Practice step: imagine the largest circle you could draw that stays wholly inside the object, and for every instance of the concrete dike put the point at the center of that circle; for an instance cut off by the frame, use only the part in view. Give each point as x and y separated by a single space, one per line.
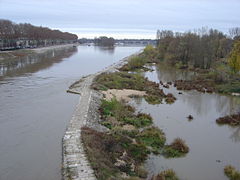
75 161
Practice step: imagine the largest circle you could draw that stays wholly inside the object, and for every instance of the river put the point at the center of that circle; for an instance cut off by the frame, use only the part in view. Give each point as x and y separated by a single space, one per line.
35 108
212 147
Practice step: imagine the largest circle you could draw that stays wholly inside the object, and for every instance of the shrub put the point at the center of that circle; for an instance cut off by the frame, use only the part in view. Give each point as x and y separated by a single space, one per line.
134 64
153 138
141 120
177 148
231 173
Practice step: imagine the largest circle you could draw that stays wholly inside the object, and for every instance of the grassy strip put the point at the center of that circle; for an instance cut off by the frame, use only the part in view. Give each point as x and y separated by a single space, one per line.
125 80
232 173
117 113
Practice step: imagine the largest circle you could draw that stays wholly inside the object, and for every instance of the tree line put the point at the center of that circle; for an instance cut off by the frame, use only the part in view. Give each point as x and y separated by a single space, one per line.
12 33
199 48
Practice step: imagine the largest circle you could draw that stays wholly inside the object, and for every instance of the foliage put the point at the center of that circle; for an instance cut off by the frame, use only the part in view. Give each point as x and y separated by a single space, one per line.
141 120
153 138
119 149
168 174
234 58
230 87
10 32
199 49
231 173
232 120
153 99
135 63
125 80
123 113
119 80
104 41
177 148
101 157
150 53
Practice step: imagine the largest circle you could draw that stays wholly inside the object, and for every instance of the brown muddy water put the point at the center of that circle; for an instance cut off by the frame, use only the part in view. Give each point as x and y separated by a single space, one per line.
35 108
211 146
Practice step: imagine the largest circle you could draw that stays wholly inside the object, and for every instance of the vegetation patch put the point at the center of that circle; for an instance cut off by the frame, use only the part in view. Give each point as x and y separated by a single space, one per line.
170 98
230 87
166 175
231 173
119 80
116 113
125 80
153 138
113 154
232 120
120 152
102 150
177 148
141 120
153 99
136 63
199 85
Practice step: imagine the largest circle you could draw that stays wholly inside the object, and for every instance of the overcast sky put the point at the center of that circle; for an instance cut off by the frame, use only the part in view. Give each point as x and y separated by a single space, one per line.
123 18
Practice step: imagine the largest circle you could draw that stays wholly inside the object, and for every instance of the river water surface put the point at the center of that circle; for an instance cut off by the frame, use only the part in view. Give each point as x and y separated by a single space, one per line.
211 146
35 108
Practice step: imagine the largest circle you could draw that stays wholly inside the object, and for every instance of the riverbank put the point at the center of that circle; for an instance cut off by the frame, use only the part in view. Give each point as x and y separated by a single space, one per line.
5 55
75 161
134 132
121 126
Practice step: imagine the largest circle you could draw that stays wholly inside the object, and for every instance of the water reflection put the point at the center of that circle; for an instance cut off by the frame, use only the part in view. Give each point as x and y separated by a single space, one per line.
106 49
34 62
35 107
208 141
166 73
236 135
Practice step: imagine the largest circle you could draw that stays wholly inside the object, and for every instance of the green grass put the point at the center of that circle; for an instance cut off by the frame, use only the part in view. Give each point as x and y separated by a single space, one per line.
125 80
141 120
153 138
123 113
119 80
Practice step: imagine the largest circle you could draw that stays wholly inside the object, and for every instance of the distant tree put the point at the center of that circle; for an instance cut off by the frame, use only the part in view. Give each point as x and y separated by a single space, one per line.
234 58
199 48
235 32
11 32
104 41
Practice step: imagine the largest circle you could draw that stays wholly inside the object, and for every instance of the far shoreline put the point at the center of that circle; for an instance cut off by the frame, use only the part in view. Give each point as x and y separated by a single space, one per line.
4 55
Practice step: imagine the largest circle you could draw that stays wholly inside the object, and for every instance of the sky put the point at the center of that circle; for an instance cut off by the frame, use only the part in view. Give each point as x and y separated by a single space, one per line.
123 18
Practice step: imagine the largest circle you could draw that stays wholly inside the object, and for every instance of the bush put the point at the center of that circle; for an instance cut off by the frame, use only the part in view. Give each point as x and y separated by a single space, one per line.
134 64
231 173
153 138
141 120
177 148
